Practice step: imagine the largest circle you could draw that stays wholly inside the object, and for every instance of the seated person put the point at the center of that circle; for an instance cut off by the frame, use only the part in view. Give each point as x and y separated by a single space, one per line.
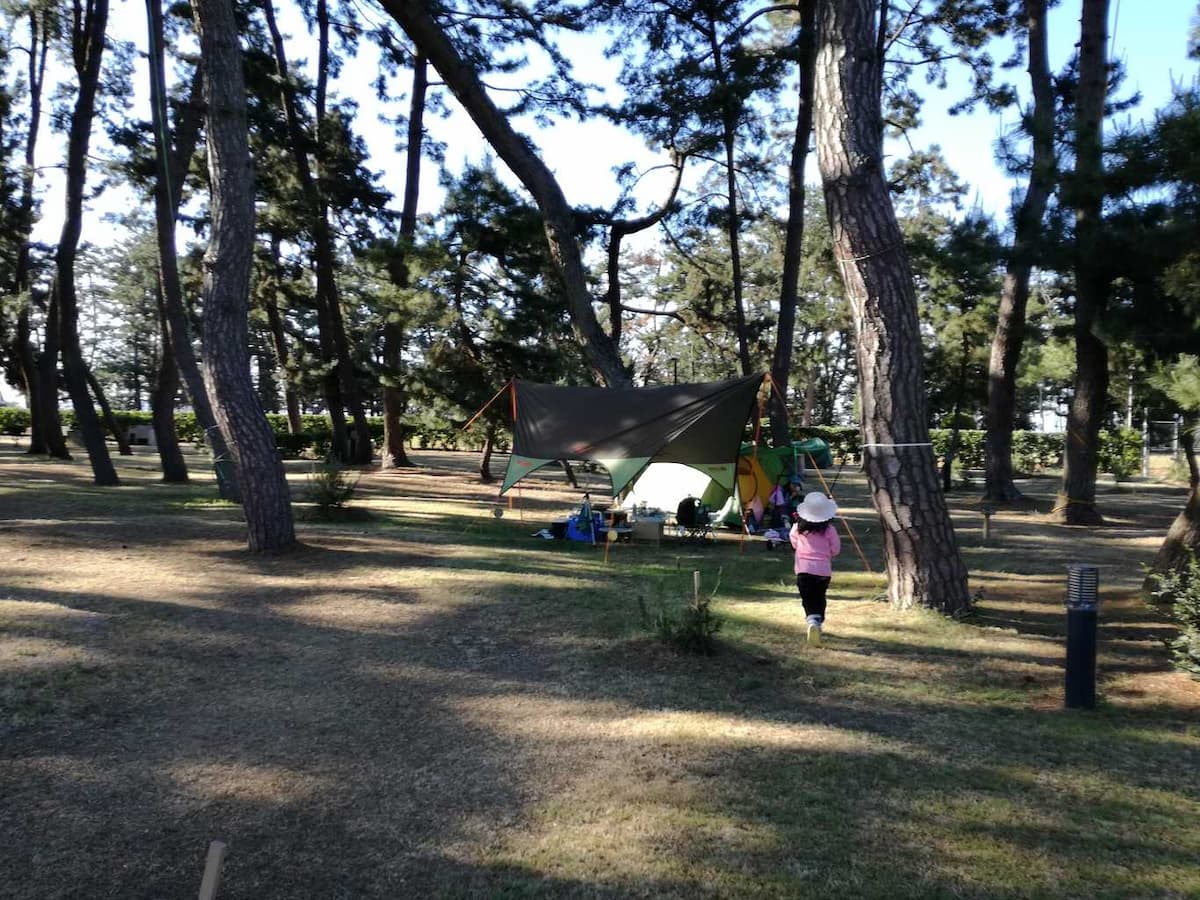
755 516
779 514
795 496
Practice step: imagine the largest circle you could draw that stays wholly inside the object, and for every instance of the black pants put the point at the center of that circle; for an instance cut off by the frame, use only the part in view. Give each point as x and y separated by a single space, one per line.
812 593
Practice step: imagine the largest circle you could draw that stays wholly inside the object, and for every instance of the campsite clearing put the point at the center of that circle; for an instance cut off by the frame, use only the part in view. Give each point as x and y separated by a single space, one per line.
425 701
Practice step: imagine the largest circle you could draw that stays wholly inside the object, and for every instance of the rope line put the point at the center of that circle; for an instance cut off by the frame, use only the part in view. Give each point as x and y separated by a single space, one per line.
871 255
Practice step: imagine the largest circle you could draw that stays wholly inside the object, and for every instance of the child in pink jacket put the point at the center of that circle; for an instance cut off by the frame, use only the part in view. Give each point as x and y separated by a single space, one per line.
816 541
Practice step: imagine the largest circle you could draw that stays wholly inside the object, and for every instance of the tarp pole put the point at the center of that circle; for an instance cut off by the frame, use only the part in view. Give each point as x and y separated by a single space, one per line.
844 521
520 506
483 408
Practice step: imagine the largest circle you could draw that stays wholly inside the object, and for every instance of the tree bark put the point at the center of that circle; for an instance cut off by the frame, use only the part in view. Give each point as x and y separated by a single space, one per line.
106 414
87 44
47 364
485 462
260 474
1077 497
959 396
340 387
599 349
279 339
733 225
793 241
1183 538
45 427
395 399
171 158
923 564
361 448
162 404
1014 294
618 230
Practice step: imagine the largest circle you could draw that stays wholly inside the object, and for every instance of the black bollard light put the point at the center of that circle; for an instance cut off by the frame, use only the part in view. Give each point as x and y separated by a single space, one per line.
1083 584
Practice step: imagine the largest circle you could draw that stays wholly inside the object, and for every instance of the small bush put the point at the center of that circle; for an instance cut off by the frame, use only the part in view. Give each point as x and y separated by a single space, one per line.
1120 453
330 489
13 421
689 628
292 446
970 451
1036 451
1178 592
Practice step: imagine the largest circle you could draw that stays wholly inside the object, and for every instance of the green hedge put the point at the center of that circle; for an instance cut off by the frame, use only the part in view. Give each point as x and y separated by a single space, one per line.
13 421
1033 452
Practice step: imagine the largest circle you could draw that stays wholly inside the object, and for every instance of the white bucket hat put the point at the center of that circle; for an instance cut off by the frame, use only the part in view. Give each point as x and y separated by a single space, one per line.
816 508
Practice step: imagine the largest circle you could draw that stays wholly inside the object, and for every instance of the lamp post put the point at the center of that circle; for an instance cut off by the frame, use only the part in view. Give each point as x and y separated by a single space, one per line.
674 361
1083 582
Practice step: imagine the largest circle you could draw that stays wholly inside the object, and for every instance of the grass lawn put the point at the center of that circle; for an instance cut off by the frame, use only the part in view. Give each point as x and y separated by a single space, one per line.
425 701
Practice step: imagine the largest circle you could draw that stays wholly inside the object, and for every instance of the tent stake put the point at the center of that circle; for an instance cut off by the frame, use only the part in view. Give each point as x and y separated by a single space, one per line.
212 870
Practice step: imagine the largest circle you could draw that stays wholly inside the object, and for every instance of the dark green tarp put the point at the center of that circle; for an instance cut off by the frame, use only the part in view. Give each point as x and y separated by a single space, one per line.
623 429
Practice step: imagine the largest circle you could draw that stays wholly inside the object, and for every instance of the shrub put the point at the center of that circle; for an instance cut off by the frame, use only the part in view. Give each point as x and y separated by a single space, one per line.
1035 451
690 628
970 452
330 489
188 429
1120 452
13 421
1179 592
292 446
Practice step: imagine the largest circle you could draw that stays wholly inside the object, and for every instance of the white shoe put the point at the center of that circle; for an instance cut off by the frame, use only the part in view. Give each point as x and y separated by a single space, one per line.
814 635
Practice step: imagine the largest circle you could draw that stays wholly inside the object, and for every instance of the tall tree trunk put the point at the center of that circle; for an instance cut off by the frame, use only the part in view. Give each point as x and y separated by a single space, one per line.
47 364
171 158
87 43
340 387
923 563
362 447
162 404
279 338
45 427
395 398
1077 496
1183 538
959 395
120 436
30 385
733 224
793 241
266 501
1014 294
485 462
599 349
618 230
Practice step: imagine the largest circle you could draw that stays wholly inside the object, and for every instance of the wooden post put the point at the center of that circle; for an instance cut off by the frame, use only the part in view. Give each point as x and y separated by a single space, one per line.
696 589
212 871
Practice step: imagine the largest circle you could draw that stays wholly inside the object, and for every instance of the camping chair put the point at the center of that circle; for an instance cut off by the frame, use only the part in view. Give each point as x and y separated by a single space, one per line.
693 520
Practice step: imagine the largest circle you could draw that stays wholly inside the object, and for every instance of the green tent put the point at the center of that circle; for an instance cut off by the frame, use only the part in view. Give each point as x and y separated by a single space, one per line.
759 471
623 429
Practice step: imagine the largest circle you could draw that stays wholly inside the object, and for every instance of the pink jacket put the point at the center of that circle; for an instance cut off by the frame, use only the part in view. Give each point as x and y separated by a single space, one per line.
815 550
